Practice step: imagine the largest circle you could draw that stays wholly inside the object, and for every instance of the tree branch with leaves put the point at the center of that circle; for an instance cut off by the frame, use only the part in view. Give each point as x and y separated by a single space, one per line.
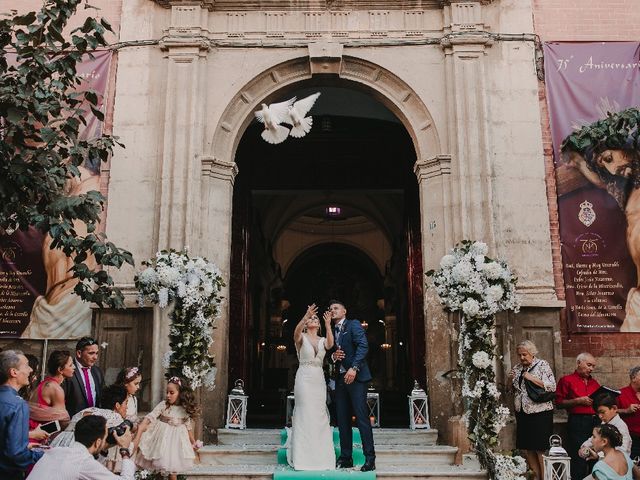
43 152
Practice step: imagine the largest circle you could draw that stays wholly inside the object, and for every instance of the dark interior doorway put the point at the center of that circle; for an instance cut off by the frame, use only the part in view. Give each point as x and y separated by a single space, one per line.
287 251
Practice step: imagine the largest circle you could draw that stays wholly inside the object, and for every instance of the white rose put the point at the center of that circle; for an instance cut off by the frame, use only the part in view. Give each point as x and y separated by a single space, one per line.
447 261
493 270
479 248
495 293
470 307
481 360
461 272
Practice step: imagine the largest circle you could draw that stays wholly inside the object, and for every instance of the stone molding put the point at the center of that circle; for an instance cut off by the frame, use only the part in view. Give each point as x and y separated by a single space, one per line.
388 88
215 168
432 167
208 4
244 5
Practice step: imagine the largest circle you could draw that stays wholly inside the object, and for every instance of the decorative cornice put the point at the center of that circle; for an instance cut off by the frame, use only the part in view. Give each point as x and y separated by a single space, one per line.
432 167
208 4
216 168
445 3
250 5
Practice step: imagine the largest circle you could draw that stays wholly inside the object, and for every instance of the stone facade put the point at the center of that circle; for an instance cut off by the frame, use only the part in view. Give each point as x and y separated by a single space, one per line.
459 75
468 99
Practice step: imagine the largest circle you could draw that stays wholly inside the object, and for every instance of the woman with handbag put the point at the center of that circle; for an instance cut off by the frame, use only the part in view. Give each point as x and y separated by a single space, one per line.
534 386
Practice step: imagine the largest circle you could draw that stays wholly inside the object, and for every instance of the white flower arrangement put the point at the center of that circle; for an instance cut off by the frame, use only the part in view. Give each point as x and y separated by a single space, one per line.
479 287
192 285
481 359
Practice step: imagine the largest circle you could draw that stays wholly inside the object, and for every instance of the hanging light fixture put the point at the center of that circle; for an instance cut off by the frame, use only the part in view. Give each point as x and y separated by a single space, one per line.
333 210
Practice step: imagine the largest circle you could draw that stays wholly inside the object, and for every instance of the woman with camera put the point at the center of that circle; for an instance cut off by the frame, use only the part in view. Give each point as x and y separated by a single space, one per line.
533 383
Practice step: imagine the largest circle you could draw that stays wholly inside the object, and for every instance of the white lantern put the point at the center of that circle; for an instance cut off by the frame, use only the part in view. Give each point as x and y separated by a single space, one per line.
556 463
237 407
373 402
291 402
418 408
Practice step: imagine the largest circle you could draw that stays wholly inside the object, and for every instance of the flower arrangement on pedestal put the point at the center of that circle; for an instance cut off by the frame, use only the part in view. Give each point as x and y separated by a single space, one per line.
193 285
479 287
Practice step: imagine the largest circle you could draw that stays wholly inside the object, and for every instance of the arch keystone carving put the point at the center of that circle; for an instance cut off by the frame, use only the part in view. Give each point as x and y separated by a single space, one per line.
325 58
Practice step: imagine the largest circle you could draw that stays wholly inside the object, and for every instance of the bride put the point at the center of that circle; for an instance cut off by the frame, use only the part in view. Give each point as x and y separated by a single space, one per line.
311 438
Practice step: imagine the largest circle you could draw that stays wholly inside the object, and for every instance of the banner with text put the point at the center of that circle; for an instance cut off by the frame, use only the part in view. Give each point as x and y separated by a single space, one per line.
36 288
593 91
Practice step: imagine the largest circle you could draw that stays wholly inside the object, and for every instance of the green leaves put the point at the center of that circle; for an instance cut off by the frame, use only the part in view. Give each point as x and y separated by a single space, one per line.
43 163
617 130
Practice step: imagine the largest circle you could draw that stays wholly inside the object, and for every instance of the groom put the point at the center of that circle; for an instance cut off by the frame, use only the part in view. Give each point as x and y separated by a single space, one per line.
352 372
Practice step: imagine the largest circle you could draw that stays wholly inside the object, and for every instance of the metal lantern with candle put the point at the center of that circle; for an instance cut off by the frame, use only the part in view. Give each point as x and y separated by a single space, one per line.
373 402
237 407
418 409
556 463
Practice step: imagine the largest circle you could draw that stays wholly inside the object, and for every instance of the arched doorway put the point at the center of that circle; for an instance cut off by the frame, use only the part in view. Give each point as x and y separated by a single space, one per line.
288 250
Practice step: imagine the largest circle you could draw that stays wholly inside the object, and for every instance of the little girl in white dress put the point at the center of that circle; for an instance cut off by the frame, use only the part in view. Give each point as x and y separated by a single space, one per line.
167 444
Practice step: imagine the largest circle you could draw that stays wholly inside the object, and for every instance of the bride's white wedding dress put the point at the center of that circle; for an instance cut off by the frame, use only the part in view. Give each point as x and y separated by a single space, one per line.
310 443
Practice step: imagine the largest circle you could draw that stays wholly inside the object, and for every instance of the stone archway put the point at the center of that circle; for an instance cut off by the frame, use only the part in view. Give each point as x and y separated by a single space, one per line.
219 168
388 88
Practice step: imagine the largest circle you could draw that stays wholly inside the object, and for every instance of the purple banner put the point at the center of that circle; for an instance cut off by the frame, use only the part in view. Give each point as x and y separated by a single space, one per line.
587 85
36 299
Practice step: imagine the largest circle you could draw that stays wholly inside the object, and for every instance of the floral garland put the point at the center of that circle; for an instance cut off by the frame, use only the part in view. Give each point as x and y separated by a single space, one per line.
193 284
479 287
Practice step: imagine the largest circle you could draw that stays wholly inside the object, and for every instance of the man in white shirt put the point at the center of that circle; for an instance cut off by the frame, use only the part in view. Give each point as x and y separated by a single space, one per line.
78 462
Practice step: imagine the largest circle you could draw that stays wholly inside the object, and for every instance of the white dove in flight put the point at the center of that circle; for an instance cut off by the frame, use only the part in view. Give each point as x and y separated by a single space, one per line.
272 116
301 125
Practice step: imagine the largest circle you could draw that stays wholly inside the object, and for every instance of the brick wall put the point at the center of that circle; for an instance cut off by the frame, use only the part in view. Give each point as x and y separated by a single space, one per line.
585 20
582 20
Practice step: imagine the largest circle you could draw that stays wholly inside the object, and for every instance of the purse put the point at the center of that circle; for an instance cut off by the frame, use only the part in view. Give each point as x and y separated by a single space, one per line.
536 393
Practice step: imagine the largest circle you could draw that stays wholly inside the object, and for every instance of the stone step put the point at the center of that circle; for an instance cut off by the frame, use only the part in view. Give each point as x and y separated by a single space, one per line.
386 455
382 436
265 472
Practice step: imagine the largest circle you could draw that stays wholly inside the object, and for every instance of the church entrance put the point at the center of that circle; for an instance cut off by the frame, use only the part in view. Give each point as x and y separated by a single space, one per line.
333 215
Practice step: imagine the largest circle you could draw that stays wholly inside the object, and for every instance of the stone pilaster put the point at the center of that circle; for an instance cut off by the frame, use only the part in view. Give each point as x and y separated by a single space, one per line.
471 192
214 218
186 52
434 184
178 190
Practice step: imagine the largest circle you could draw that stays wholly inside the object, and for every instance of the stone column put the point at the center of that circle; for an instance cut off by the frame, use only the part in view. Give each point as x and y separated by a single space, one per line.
214 218
471 195
178 187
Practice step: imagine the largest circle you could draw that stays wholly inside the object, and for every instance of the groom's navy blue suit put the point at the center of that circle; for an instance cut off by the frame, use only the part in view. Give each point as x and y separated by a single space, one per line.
353 397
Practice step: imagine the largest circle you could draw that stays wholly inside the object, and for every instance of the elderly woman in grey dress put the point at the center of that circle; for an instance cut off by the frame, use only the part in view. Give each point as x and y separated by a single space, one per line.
534 420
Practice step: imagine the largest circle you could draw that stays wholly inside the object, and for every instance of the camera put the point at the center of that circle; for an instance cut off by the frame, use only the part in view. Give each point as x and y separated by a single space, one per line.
118 430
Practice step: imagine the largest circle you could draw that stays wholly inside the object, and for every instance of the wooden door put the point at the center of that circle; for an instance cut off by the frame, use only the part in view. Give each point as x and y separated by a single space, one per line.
128 334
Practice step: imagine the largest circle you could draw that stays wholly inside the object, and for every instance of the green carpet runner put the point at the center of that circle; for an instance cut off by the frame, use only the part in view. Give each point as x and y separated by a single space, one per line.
286 472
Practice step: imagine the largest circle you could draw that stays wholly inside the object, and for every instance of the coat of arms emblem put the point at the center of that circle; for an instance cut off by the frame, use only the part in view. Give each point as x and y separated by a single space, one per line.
587 215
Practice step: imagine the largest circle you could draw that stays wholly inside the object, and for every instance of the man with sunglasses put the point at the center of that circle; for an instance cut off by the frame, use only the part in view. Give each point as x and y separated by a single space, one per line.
83 389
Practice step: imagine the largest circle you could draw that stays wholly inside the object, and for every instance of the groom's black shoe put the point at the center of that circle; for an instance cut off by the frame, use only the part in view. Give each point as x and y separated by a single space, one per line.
344 463
368 466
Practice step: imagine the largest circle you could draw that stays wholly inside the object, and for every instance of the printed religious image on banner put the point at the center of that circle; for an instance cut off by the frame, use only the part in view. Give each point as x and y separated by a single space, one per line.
36 287
593 94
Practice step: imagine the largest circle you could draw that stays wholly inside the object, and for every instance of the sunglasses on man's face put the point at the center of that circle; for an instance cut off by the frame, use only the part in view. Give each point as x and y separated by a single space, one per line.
86 343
